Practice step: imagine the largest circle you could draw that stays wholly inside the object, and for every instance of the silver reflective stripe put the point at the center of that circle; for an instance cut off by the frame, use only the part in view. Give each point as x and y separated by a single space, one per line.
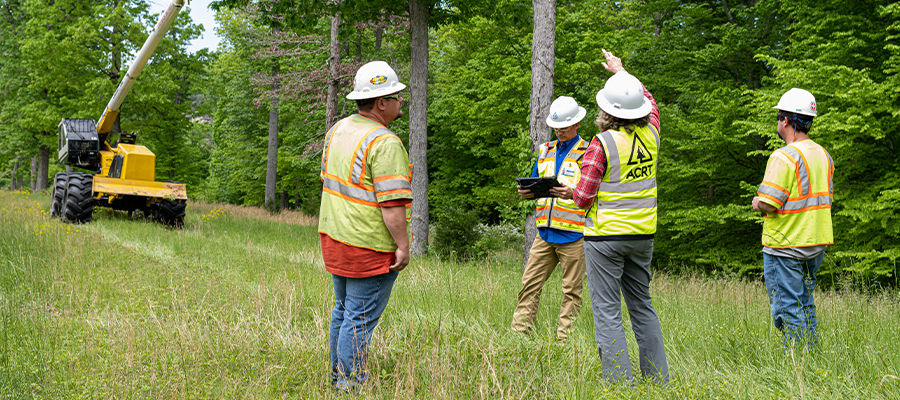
810 202
634 204
766 189
801 169
391 184
655 135
609 143
348 191
627 187
830 175
360 158
565 214
328 142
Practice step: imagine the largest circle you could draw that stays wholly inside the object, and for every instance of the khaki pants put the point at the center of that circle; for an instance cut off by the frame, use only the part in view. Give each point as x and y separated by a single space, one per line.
541 262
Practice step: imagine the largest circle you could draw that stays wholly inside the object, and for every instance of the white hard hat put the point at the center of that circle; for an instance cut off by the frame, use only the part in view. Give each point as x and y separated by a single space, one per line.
565 112
623 97
798 101
375 79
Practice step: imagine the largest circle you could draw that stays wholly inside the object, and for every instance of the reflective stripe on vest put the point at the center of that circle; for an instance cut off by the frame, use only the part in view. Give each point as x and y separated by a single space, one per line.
552 212
349 211
626 197
803 216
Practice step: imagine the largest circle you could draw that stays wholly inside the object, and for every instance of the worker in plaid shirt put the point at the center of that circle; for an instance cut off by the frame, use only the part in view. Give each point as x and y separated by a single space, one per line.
618 188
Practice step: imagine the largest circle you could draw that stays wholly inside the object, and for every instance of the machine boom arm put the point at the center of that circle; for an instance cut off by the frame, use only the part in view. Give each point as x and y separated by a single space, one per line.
159 31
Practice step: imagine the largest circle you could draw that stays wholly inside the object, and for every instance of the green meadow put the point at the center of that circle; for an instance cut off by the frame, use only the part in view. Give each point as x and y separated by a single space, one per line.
237 306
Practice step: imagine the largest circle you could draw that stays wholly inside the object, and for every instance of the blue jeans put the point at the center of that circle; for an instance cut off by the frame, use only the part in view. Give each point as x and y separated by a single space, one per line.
789 283
358 304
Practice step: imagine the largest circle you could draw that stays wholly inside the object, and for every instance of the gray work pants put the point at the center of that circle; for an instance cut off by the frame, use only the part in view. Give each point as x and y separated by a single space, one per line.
615 267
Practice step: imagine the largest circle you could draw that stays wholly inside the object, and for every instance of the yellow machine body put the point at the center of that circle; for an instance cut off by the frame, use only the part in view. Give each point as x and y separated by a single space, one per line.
138 162
134 175
115 188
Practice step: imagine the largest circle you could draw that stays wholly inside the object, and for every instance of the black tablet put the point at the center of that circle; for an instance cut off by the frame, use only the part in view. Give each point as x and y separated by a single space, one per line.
540 186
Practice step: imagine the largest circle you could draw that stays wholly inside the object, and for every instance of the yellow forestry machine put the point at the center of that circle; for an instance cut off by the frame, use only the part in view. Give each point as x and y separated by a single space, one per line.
125 172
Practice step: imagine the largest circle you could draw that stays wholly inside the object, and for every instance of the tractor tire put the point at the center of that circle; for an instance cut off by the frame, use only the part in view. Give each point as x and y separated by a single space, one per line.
59 193
171 213
78 203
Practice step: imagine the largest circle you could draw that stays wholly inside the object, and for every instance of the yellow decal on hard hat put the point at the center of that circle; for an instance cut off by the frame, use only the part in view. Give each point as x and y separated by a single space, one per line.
378 79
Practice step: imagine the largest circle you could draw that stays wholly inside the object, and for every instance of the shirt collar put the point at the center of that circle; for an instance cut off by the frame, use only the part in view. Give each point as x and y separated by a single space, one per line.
562 146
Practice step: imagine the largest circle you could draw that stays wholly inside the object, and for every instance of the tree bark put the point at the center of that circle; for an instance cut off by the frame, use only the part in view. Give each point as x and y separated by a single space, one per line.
297 196
334 71
43 170
543 48
12 185
378 33
272 163
33 173
418 123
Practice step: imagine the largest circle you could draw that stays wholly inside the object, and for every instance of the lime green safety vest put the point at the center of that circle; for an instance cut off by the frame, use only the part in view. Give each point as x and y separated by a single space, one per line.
625 207
553 212
799 183
363 164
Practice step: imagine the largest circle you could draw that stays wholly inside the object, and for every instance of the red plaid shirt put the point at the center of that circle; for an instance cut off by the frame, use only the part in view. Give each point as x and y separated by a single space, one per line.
593 164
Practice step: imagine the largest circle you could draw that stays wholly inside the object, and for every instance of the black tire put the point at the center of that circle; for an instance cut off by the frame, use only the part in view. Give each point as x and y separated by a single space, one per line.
171 213
78 203
59 193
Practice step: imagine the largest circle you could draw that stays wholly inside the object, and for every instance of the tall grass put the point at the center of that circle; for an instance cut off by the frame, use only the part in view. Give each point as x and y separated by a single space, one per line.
237 305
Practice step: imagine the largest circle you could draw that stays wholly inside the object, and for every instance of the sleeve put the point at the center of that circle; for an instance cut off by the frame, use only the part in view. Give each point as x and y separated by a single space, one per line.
654 113
534 172
593 165
775 187
388 162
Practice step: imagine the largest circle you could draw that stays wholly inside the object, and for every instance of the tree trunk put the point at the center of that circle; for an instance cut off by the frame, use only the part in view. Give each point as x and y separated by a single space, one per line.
13 185
378 33
334 70
418 123
272 163
43 170
284 199
543 47
33 173
297 196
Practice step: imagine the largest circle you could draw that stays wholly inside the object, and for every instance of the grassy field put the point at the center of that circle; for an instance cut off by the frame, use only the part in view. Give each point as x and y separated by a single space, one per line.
237 305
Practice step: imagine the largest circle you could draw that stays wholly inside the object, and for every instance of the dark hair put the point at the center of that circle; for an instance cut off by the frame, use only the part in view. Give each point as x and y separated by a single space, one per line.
801 123
606 122
366 104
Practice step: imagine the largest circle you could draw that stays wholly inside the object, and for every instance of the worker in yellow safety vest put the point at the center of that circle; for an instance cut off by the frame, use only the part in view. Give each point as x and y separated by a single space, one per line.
559 221
618 188
795 195
364 216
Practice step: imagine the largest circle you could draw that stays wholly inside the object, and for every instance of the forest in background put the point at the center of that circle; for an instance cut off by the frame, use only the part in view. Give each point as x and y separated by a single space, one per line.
715 68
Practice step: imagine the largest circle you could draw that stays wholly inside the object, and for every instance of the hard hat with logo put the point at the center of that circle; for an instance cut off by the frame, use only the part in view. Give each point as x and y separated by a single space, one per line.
623 97
375 79
798 101
565 112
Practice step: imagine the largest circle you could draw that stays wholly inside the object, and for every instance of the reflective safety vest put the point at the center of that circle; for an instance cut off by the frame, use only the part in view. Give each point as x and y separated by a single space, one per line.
625 207
556 213
363 163
799 182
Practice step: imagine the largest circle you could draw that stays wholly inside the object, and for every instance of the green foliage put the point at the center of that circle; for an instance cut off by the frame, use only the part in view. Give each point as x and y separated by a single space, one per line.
455 233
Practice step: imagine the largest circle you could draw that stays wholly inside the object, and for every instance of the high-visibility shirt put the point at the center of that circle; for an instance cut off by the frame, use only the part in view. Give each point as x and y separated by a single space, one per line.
625 206
798 183
552 212
363 164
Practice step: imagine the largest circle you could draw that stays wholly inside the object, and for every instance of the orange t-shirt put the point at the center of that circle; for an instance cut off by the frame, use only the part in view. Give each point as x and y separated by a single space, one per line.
349 261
